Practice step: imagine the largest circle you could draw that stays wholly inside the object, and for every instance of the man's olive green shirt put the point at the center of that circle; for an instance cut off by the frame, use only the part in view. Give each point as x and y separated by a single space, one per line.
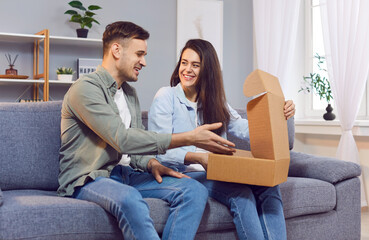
93 137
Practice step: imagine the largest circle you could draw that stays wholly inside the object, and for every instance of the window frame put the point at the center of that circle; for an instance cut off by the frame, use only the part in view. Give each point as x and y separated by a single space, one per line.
310 112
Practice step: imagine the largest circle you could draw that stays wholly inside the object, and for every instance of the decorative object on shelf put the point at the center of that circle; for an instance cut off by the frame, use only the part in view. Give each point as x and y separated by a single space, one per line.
11 70
329 115
320 86
65 74
14 76
30 100
87 65
85 19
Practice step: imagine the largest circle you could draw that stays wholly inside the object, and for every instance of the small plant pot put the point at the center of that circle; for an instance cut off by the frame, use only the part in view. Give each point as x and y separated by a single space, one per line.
82 32
65 77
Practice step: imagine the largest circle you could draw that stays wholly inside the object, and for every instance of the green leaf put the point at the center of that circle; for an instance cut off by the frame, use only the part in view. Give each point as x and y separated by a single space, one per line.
95 21
90 14
77 4
71 12
76 18
94 7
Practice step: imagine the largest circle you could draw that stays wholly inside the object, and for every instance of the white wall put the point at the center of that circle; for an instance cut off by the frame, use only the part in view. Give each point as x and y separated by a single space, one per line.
158 17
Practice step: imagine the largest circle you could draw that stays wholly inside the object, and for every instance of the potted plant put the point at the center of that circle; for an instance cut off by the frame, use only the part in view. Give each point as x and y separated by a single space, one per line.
65 74
83 16
320 86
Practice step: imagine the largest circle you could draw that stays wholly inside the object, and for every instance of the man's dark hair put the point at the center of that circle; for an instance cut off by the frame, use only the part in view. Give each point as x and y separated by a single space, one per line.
122 30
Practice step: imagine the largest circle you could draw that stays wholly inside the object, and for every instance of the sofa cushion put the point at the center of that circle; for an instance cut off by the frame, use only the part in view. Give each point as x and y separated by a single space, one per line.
30 142
60 216
37 214
304 196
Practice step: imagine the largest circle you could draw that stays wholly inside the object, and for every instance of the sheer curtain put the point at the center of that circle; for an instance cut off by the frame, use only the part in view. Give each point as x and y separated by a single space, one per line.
275 28
345 32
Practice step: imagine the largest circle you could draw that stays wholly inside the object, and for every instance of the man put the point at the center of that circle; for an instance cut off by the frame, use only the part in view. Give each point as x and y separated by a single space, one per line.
101 126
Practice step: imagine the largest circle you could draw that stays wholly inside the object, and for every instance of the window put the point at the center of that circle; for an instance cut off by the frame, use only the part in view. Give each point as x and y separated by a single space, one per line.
314 44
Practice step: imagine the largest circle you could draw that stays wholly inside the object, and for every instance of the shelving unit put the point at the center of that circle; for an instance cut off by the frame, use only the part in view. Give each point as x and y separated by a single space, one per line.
42 41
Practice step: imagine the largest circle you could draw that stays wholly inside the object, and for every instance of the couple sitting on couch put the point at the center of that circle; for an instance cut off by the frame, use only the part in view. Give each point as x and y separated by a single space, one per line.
104 154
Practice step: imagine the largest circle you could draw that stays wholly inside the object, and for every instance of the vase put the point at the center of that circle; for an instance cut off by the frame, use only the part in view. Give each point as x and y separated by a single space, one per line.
11 71
65 77
329 116
82 32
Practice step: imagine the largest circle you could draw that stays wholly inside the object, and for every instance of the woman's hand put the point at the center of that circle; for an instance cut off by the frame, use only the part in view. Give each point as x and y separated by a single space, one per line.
197 157
289 109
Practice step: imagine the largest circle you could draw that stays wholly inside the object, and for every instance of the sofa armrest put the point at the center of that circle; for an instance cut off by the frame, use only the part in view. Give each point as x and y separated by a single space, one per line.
323 168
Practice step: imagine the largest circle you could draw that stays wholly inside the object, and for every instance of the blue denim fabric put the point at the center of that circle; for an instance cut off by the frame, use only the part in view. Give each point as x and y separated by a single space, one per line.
257 211
122 195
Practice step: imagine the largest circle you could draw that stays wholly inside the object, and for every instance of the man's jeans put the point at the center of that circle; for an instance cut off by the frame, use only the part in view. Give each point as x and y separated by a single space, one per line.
122 195
257 211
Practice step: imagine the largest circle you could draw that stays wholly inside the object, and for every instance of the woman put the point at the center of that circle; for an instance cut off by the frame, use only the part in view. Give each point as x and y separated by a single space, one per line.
197 97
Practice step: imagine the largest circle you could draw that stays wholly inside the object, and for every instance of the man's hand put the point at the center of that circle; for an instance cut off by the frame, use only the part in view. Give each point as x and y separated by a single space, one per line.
158 170
204 138
289 109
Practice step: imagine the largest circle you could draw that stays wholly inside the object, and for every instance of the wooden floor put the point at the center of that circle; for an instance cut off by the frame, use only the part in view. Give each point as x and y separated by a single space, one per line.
365 224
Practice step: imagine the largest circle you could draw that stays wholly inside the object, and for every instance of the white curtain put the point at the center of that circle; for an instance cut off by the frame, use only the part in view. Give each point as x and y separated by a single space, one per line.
345 32
275 28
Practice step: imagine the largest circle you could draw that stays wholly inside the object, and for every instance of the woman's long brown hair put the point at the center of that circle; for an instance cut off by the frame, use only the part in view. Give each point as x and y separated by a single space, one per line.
210 90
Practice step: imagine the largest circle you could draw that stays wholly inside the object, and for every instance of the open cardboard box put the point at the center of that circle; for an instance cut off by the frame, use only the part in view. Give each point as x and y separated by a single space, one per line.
268 162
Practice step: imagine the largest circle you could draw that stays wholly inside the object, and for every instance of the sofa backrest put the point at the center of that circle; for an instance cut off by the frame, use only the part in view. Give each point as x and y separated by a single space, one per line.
30 142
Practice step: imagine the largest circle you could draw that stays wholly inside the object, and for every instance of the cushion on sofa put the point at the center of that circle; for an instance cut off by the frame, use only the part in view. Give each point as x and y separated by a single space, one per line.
304 196
30 145
323 168
37 214
60 216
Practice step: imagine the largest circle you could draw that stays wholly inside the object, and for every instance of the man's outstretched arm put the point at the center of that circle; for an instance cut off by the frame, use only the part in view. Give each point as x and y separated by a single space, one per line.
202 137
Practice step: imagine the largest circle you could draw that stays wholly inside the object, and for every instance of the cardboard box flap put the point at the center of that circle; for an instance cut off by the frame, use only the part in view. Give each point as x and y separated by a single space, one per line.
267 123
259 81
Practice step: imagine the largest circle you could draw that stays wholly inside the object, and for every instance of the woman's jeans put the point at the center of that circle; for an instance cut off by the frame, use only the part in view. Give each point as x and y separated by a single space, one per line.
122 196
257 211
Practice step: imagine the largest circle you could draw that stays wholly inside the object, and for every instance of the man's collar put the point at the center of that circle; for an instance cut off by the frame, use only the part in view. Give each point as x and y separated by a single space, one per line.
106 77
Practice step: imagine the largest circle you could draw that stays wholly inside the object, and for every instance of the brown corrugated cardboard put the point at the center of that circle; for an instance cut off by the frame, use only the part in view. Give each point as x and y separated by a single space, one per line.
268 162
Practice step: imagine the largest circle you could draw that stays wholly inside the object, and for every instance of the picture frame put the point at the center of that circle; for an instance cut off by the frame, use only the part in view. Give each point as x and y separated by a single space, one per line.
87 65
200 19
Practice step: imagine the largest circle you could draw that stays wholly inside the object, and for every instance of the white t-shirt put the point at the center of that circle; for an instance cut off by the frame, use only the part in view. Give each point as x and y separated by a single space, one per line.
125 115
195 167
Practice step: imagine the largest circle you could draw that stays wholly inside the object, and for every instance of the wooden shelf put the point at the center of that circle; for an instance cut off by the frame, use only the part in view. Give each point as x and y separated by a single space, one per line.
20 38
47 41
23 81
84 42
59 82
4 81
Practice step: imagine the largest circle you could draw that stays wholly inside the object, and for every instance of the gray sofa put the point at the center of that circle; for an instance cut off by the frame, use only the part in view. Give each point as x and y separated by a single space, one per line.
321 197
